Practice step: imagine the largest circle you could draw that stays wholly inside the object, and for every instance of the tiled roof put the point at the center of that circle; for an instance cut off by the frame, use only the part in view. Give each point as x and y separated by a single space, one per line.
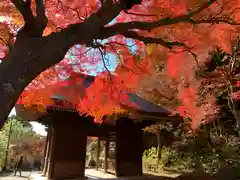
140 103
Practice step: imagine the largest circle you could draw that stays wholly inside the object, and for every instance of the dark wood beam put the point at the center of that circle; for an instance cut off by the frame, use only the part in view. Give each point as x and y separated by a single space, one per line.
98 152
106 155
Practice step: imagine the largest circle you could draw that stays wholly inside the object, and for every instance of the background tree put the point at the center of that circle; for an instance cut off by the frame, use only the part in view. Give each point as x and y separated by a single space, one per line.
20 131
36 35
219 78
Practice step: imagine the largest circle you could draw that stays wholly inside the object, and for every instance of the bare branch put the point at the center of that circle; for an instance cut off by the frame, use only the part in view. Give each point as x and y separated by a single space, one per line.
104 63
139 14
162 22
97 29
215 21
150 40
126 29
24 7
188 18
34 26
109 10
93 24
41 18
128 4
73 9
200 9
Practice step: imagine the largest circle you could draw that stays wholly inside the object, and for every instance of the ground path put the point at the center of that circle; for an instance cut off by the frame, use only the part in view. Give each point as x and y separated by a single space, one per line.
9 176
91 174
27 175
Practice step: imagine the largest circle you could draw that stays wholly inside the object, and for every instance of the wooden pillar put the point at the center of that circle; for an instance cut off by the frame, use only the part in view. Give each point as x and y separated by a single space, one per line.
128 148
51 154
70 147
106 155
98 152
46 152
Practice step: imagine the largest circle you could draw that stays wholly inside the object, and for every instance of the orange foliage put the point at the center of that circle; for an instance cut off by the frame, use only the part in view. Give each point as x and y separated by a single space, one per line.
105 96
110 91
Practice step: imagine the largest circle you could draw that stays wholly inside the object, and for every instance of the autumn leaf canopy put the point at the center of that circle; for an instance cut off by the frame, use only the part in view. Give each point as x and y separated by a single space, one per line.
122 42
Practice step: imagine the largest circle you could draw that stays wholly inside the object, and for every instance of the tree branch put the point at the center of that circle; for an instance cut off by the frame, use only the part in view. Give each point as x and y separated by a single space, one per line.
123 27
215 21
34 26
139 14
24 7
91 27
96 29
41 17
109 10
150 40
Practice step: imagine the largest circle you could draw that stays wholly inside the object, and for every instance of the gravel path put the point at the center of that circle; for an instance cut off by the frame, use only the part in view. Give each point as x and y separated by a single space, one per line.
92 174
9 176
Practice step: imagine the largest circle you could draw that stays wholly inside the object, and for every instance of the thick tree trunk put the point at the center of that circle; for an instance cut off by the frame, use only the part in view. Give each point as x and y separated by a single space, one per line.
29 57
32 53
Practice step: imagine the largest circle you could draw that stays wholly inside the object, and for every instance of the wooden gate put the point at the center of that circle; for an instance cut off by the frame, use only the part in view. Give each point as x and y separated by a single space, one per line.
106 155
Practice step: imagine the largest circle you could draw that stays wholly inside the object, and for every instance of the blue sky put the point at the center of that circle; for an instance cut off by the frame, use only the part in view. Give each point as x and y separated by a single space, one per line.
110 59
111 63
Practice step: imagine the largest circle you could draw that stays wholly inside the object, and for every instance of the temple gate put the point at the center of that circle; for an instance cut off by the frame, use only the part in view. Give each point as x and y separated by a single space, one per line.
67 135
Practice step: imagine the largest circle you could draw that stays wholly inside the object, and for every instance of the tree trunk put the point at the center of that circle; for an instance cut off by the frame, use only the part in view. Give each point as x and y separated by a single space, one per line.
11 85
28 58
231 105
159 148
158 145
32 53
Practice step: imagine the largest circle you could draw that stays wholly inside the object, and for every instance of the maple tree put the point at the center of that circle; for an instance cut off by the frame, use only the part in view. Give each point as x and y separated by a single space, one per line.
220 77
35 35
